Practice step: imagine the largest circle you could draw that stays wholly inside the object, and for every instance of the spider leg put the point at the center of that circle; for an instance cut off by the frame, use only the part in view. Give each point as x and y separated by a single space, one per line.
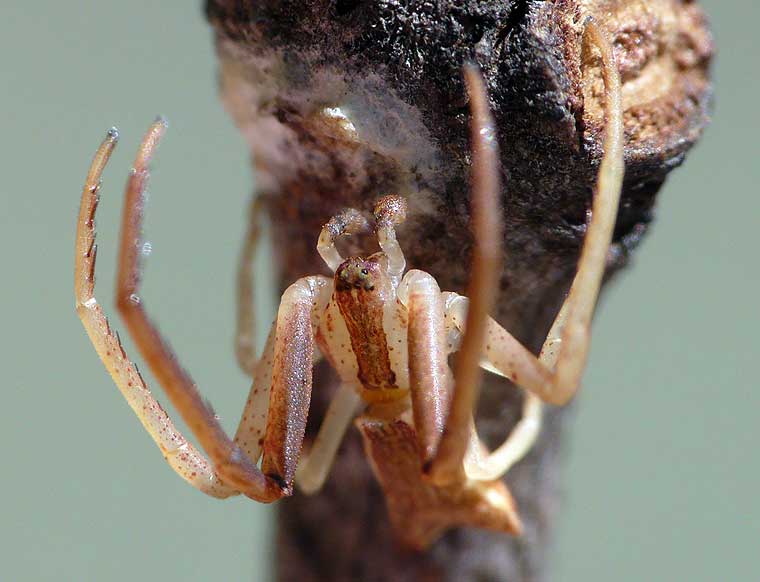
429 374
251 431
482 287
292 365
555 375
245 342
481 465
229 462
571 330
315 465
182 456
249 435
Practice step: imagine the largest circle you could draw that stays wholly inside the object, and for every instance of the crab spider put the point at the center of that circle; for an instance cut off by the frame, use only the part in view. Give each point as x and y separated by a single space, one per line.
387 333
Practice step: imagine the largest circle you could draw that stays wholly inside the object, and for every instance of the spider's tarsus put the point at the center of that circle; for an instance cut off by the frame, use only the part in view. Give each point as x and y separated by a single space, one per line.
281 483
390 210
209 407
162 120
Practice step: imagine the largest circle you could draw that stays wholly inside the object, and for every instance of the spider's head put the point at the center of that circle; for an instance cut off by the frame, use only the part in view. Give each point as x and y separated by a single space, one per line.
357 272
361 274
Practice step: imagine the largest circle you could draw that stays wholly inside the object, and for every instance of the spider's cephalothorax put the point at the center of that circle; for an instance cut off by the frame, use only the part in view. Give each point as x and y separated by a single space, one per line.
388 334
360 274
365 297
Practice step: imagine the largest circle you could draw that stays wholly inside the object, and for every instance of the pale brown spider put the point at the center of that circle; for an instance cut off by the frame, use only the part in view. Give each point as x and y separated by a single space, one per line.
387 334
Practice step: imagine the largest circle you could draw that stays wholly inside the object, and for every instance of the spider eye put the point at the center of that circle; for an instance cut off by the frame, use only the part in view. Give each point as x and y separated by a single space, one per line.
365 272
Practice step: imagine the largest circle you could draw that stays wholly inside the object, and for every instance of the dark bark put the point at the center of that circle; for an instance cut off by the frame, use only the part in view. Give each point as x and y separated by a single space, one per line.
395 68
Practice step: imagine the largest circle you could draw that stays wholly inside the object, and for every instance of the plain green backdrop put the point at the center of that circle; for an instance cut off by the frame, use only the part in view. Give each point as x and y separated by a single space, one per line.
661 475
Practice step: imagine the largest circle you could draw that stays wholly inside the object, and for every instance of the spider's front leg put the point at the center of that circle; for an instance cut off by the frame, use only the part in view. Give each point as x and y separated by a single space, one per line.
430 380
290 366
229 462
183 457
555 375
297 320
486 224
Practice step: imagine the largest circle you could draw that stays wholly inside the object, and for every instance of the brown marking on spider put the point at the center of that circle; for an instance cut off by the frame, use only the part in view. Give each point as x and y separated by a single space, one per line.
362 288
417 422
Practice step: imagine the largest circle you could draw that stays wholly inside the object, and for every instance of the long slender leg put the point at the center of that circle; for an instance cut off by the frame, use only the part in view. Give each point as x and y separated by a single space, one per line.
429 375
315 466
571 330
290 394
245 341
555 376
251 430
229 462
490 466
575 334
482 287
478 462
566 346
182 456
249 435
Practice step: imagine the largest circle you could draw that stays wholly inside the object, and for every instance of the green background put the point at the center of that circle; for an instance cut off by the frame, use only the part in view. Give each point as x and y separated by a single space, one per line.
662 473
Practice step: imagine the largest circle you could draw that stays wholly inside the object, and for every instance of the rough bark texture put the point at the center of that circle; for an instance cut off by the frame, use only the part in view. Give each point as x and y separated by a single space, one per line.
393 69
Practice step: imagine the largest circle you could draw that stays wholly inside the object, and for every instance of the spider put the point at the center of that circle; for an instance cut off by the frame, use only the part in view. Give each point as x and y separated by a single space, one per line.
387 333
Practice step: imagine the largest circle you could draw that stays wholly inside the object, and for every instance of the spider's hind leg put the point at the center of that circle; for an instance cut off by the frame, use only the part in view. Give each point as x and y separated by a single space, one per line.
315 465
245 330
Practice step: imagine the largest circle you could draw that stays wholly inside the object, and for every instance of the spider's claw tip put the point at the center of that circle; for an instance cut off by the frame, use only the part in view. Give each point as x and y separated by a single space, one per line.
161 120
113 133
279 481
